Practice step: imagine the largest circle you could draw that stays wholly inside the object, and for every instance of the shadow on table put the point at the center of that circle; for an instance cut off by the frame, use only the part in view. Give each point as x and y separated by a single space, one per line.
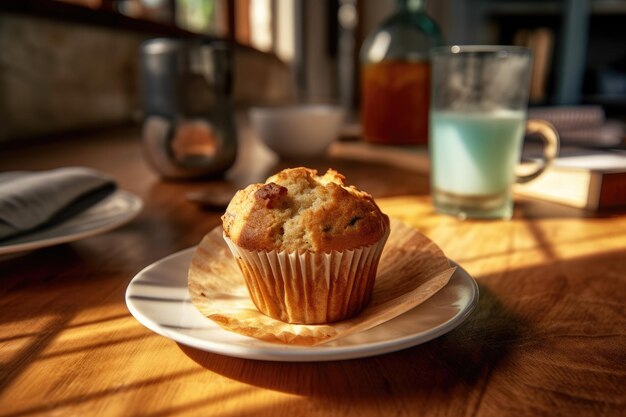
539 209
463 357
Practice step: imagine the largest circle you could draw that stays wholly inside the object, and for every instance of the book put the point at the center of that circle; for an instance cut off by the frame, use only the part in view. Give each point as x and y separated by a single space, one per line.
579 177
541 41
565 118
590 180
582 125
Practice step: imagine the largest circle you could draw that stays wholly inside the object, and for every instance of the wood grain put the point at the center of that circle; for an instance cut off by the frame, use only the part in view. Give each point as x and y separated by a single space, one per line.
548 337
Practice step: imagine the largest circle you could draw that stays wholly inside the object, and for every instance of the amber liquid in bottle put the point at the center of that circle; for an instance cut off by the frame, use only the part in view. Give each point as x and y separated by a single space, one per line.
395 101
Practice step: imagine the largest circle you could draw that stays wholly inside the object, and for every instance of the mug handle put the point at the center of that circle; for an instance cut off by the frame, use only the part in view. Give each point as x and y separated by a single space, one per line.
550 138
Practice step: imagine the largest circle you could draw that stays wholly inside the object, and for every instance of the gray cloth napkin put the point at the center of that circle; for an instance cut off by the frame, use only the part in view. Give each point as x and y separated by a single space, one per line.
31 199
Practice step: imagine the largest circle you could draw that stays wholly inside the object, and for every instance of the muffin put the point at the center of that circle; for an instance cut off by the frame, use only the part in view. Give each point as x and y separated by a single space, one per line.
307 245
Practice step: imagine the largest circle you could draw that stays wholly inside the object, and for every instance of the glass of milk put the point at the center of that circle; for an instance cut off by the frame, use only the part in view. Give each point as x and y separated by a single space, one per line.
477 123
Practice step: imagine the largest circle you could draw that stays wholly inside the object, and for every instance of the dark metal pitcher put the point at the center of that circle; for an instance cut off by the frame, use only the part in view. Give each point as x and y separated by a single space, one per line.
189 125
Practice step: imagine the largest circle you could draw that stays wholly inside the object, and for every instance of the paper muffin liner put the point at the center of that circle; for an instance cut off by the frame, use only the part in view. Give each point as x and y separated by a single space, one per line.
310 287
412 269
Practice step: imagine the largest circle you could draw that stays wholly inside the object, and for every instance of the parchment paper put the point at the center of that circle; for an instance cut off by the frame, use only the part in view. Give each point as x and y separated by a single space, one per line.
412 268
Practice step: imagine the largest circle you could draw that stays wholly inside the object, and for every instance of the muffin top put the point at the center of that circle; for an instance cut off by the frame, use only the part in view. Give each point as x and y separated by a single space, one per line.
298 210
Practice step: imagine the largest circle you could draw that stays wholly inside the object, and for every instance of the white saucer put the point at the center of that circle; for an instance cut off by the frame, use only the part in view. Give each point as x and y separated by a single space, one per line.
158 298
114 211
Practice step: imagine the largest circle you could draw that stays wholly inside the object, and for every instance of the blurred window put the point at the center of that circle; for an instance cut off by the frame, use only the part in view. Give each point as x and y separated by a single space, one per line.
266 25
249 22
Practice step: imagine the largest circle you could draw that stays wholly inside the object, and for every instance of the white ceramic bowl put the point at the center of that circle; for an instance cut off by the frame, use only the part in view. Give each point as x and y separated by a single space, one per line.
299 130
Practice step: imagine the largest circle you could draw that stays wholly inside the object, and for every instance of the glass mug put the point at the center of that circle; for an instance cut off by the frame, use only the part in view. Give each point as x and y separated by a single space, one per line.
477 123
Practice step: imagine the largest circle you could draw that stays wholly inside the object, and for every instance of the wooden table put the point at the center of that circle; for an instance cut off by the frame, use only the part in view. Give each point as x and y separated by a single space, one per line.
548 336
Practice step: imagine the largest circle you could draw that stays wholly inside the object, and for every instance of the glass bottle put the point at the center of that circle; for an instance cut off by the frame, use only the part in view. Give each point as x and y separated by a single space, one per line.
395 76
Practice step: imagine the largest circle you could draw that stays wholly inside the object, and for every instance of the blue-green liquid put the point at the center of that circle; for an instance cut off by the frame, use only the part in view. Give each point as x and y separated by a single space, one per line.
475 153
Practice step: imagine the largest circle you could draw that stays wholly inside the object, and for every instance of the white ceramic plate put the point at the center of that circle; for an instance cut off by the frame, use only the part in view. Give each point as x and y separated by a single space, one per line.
158 298
114 211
